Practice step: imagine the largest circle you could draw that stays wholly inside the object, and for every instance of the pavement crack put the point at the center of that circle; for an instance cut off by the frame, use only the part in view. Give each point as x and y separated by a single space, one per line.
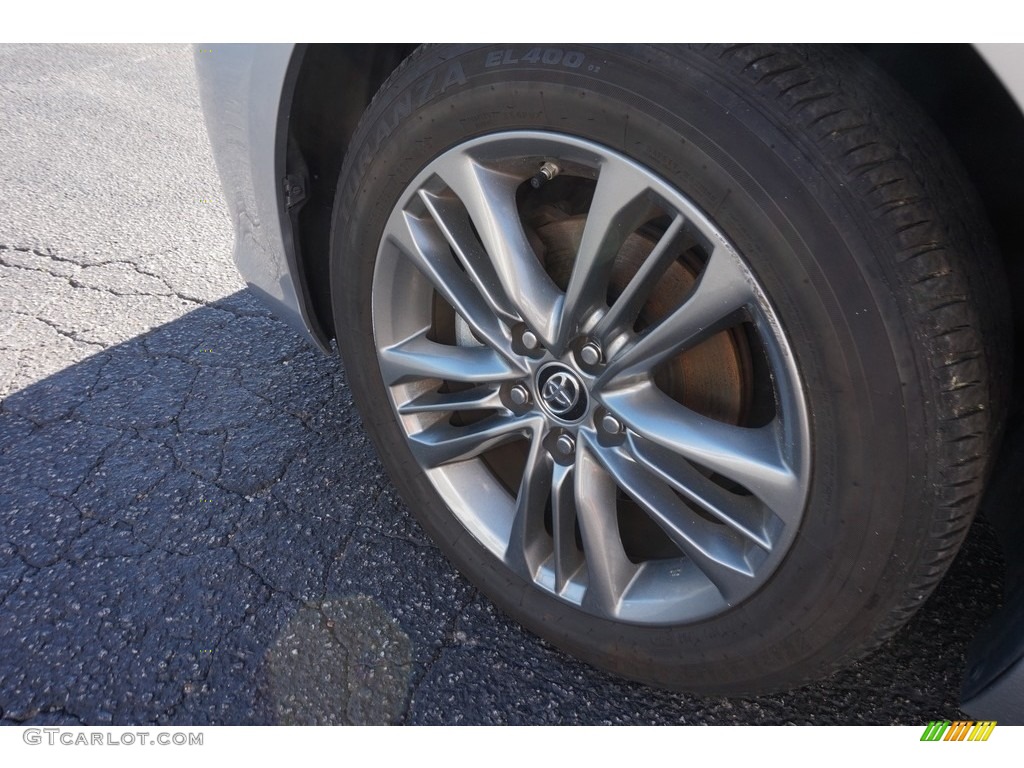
264 582
29 570
435 656
21 719
394 536
58 329
64 416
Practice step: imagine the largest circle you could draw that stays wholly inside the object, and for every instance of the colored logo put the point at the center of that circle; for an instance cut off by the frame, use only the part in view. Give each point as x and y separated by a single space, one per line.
961 730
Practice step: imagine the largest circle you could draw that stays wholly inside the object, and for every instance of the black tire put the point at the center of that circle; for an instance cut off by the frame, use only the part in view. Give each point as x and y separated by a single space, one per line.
856 221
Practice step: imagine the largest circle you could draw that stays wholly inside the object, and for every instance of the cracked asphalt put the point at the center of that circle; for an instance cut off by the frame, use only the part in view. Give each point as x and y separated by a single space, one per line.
194 528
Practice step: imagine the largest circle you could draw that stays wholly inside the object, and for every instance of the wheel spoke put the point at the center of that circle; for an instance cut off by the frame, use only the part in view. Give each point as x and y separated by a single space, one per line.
489 197
420 358
453 222
443 443
475 399
624 312
568 558
751 457
621 203
427 248
527 546
721 291
715 550
744 514
609 571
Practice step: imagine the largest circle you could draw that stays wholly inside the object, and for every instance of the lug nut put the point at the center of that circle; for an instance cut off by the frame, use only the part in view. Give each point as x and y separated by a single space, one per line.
610 424
529 339
565 445
590 353
519 395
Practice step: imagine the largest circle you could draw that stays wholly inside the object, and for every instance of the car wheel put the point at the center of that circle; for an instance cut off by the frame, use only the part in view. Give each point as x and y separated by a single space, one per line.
685 357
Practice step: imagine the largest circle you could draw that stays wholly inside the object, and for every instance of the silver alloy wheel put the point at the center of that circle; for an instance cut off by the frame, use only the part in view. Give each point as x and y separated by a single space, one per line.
539 413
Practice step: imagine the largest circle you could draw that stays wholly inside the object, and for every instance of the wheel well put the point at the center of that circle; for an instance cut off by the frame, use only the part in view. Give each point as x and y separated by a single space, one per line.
334 86
951 83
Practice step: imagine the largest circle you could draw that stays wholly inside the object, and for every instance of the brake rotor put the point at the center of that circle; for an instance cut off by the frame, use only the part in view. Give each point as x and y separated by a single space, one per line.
712 378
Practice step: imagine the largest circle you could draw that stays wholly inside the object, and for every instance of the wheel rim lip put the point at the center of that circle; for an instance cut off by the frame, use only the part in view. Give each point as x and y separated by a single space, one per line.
478 504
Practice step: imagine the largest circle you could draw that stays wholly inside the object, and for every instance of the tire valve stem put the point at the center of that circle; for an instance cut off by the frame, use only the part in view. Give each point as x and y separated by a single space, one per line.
547 172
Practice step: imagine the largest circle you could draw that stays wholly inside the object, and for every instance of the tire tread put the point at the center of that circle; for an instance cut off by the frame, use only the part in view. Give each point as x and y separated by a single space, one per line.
947 266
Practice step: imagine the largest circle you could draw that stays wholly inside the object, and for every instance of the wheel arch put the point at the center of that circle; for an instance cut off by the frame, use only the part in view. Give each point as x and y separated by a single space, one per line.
331 86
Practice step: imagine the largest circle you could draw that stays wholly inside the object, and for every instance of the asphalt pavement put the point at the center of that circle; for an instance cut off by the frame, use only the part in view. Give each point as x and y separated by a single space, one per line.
194 528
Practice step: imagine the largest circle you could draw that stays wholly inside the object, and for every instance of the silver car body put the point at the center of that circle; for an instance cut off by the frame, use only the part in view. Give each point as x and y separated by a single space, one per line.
242 88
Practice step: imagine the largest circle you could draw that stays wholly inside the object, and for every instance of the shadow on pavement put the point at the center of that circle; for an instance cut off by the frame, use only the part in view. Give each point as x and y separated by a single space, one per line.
194 529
